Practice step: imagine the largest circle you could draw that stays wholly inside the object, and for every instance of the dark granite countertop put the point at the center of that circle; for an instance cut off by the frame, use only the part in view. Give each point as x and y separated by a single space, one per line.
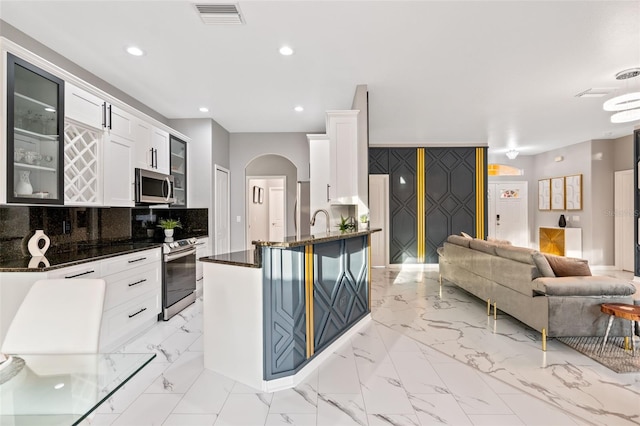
304 240
252 258
81 252
246 258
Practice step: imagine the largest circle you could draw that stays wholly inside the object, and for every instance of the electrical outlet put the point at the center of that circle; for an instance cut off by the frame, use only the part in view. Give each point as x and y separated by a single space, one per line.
66 226
238 219
575 218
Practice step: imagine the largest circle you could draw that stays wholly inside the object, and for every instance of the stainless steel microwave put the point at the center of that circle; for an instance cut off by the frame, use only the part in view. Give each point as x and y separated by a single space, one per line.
154 187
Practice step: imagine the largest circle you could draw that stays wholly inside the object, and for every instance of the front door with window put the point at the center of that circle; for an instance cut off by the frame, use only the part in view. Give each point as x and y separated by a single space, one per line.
508 219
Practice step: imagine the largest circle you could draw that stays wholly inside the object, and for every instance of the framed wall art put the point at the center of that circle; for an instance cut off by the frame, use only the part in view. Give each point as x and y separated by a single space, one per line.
544 194
573 192
557 193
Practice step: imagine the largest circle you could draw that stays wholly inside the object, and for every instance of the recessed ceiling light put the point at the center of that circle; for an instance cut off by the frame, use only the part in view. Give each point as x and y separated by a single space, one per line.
299 108
204 109
135 51
286 51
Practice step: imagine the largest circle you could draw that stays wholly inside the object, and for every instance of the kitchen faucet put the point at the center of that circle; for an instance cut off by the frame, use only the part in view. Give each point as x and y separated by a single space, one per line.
326 213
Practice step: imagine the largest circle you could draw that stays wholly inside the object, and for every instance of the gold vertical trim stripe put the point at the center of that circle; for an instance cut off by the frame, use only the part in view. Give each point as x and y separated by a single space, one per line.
369 268
308 292
420 196
480 193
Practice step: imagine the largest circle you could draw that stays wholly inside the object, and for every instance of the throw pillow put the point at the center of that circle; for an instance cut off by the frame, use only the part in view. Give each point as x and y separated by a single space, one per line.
464 234
568 266
542 264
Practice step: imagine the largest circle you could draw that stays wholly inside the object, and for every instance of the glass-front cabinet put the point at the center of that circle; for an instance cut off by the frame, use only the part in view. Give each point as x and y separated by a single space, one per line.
179 171
35 121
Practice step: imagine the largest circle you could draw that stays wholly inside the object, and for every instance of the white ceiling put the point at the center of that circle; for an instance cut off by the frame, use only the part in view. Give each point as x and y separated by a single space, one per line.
452 72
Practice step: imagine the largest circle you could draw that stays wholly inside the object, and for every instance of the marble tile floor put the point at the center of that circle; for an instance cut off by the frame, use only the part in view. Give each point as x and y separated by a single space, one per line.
430 356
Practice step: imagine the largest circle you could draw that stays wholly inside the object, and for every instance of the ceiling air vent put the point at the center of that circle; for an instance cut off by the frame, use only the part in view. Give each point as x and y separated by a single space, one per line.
596 92
219 14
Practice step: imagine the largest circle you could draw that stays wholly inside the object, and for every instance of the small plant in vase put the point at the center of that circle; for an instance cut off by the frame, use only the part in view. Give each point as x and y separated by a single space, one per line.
169 225
346 224
364 221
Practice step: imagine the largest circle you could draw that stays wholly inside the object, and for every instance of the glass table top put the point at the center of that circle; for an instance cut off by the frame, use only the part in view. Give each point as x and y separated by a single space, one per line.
62 389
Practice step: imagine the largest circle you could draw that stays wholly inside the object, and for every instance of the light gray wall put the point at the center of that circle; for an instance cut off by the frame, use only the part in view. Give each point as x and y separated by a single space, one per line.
209 145
43 51
623 153
602 203
243 148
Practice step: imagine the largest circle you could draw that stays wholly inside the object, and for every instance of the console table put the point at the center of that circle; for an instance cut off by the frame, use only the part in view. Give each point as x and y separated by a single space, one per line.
561 241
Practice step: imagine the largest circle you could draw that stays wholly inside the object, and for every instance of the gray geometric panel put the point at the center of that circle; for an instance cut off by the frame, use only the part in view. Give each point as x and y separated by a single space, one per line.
341 291
402 205
378 161
284 311
451 195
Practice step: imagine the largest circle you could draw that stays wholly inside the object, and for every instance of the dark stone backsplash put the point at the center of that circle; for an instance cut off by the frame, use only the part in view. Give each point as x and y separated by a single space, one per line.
89 224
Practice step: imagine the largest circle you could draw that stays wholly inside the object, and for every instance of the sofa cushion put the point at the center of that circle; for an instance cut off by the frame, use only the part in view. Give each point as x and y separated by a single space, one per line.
483 246
568 266
458 240
542 264
519 254
497 241
583 286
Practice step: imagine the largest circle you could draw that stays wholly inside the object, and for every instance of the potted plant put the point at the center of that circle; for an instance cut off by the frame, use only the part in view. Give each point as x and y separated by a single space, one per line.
347 224
169 225
364 221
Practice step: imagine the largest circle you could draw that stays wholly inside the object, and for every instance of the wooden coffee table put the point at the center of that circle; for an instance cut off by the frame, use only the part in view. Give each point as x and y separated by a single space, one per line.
624 311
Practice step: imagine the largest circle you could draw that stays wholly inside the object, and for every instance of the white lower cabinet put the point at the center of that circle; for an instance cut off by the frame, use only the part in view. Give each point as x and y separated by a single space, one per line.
202 250
132 301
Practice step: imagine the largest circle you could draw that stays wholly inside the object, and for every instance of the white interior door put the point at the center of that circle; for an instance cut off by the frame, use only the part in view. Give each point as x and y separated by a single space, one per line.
508 207
276 214
222 238
623 220
378 218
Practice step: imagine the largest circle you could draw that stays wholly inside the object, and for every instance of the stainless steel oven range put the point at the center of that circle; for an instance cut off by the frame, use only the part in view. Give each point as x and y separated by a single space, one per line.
179 276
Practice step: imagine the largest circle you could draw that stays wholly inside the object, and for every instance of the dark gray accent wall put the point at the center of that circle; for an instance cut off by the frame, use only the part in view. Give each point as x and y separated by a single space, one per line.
284 313
340 288
378 161
403 208
450 186
636 154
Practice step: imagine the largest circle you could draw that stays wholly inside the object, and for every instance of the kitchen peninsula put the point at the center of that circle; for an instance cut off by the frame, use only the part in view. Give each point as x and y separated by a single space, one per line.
272 314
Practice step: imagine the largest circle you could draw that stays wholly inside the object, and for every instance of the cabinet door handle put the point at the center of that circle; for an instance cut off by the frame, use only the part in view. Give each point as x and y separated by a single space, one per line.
137 282
80 274
151 151
155 152
139 312
104 115
110 118
136 260
328 186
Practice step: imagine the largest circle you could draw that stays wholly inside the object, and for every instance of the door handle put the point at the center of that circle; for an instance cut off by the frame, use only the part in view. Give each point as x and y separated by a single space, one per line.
110 118
104 115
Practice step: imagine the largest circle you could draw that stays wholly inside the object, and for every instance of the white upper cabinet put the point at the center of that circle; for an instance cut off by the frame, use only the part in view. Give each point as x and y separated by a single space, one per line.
160 143
342 131
119 172
319 177
120 122
84 107
152 148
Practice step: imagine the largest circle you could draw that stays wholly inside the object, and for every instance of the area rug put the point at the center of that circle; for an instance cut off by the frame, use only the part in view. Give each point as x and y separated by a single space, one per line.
614 355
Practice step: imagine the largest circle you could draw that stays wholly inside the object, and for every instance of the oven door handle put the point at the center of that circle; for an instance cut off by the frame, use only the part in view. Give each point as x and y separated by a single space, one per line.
170 257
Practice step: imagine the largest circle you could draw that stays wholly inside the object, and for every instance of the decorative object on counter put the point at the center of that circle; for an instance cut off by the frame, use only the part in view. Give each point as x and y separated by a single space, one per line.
38 262
149 226
364 221
23 186
562 222
347 224
36 249
169 225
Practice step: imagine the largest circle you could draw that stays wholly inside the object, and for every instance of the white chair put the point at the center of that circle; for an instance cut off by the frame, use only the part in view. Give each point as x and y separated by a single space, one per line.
58 316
